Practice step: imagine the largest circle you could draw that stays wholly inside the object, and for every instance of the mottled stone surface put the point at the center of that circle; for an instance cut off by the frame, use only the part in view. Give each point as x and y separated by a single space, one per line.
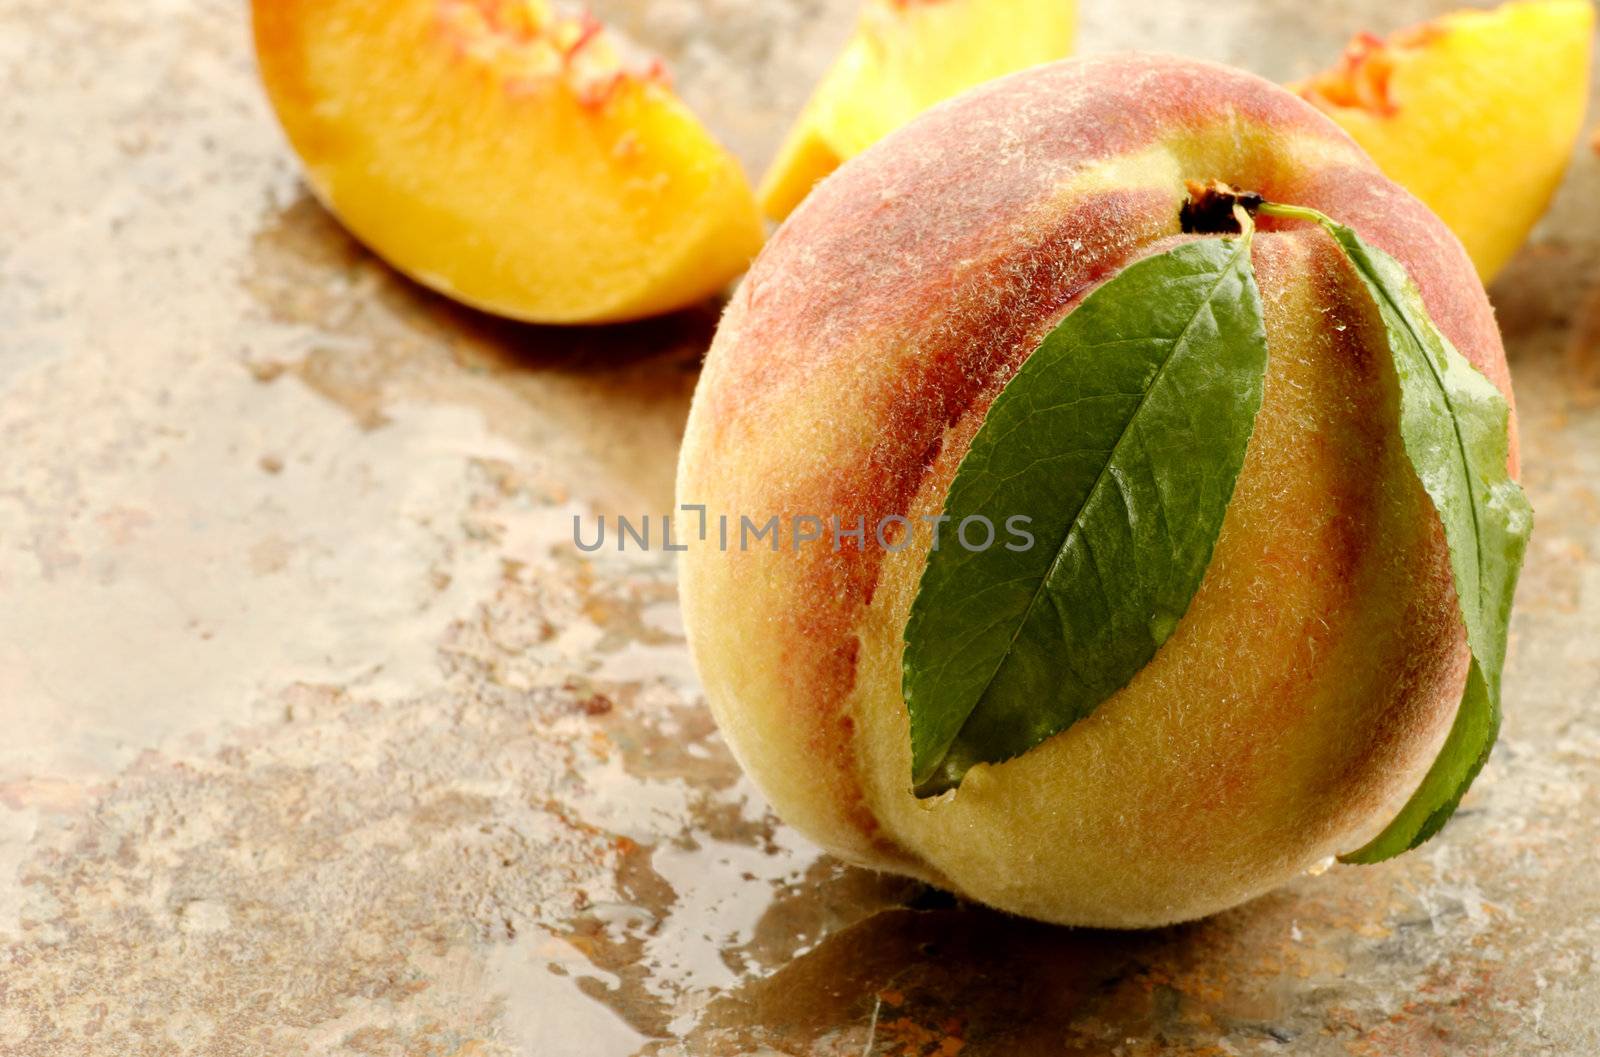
319 736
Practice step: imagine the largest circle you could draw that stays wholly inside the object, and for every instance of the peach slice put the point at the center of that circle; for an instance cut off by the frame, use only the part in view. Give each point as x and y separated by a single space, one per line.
508 156
905 56
1476 113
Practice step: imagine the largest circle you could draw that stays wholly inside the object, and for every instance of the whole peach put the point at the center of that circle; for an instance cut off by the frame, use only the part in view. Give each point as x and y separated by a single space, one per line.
1313 679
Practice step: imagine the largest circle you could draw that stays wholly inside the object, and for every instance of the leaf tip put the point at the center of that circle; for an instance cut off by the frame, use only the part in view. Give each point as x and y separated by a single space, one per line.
944 778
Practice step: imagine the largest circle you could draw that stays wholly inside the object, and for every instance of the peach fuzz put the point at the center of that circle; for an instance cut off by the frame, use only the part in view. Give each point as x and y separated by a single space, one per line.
1312 681
507 156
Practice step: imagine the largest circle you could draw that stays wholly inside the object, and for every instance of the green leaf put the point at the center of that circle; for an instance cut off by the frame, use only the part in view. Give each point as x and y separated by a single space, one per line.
1121 437
1454 424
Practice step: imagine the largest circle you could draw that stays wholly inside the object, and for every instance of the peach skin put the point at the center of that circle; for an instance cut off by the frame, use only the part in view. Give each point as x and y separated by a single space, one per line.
1311 682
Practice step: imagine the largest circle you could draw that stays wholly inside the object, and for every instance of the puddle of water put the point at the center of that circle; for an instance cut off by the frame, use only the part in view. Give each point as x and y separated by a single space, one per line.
545 1009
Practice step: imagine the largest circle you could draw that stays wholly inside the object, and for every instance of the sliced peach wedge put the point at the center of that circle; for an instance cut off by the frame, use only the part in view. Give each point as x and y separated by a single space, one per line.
1476 113
507 155
905 56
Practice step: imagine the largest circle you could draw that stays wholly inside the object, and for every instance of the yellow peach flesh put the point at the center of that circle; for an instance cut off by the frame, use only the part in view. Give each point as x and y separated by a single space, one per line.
1476 113
506 156
905 56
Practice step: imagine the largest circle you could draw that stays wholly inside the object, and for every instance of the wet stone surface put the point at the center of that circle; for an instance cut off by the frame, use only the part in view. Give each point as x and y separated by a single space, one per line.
321 738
